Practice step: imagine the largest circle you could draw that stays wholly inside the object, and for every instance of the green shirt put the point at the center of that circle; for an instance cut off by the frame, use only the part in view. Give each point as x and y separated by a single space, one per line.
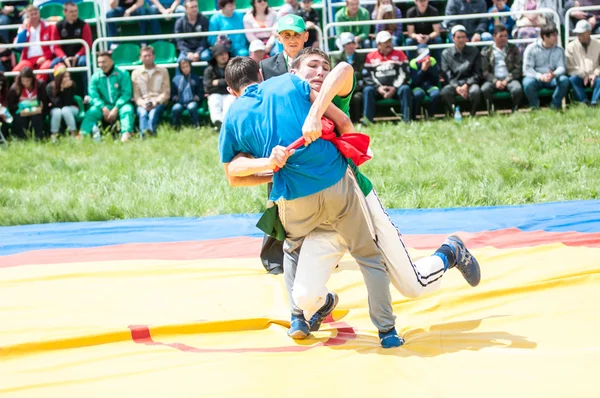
361 31
344 104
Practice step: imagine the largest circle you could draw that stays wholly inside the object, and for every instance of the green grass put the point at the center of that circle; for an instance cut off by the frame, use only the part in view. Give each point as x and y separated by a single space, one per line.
524 158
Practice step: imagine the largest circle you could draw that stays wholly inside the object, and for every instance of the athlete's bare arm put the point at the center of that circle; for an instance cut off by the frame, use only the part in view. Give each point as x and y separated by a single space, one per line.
246 171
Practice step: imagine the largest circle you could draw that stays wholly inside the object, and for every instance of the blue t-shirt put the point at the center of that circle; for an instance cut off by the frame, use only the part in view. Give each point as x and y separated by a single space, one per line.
220 22
272 113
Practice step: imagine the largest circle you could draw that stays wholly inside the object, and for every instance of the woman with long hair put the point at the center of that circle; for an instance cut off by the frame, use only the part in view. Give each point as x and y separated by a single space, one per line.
26 99
260 16
385 9
61 93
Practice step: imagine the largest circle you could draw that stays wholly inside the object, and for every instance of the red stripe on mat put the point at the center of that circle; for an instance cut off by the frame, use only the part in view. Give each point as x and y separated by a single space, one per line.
250 247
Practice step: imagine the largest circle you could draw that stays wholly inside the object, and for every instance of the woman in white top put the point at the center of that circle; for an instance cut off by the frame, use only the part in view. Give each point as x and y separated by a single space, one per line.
261 17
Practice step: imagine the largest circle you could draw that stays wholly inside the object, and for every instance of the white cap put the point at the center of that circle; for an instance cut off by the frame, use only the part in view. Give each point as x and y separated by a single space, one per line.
383 36
346 38
257 45
458 28
582 27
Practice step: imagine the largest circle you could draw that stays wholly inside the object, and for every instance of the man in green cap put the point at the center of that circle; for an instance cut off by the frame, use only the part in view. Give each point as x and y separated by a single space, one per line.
292 34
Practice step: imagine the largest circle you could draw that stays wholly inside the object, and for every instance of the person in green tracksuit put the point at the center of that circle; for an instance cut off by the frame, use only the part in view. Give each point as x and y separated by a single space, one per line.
110 91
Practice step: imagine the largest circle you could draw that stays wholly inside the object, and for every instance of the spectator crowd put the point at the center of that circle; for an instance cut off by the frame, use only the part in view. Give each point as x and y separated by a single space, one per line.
419 82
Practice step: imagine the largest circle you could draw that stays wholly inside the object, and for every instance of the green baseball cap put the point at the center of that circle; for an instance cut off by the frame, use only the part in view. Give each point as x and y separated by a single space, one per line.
291 22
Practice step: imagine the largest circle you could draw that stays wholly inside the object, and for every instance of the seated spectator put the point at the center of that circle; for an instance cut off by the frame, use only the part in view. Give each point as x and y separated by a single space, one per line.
7 58
527 26
353 12
186 91
583 63
425 80
502 68
126 8
385 9
71 27
357 60
473 27
500 6
387 76
229 19
311 19
544 67
7 11
61 93
215 86
592 16
164 7
36 30
26 99
258 50
290 7
260 16
110 97
192 48
151 91
5 116
423 32
461 66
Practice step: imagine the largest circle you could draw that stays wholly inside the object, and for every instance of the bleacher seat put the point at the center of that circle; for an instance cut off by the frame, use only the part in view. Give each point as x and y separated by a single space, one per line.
165 52
206 5
276 3
51 10
243 4
126 54
86 10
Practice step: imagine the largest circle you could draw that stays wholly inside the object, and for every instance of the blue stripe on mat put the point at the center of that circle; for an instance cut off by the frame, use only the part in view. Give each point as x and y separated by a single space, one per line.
579 216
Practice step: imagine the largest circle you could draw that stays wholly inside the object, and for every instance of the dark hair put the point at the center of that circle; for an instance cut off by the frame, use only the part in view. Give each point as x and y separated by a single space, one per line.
222 3
26 72
104 54
69 4
241 72
58 79
548 30
254 8
499 29
3 87
305 53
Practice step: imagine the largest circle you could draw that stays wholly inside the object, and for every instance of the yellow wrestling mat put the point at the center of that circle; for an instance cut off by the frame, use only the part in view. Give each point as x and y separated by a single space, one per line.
217 328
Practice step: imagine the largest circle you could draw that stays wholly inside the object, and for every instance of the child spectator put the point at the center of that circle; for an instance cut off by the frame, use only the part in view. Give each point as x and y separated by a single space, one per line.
26 99
215 86
311 18
187 93
61 93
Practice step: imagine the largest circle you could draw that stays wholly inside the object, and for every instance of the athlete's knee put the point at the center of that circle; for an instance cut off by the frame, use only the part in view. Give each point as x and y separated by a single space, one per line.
304 298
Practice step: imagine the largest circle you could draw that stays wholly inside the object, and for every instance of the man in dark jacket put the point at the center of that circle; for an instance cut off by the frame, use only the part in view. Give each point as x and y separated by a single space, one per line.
72 27
357 60
292 34
195 48
215 86
474 28
502 66
461 66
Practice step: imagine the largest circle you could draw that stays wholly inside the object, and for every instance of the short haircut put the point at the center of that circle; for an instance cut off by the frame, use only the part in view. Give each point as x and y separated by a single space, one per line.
222 3
104 54
69 4
186 2
241 72
548 30
31 7
499 29
307 52
147 49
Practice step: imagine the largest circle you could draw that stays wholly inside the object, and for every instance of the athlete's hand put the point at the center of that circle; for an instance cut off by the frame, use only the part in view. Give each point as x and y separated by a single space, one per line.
311 131
279 157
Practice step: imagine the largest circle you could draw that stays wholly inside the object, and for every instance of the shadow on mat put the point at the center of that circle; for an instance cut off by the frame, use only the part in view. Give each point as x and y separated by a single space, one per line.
444 338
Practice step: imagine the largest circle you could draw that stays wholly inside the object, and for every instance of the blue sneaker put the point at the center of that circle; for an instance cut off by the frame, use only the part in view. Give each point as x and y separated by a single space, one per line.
319 316
298 327
390 339
465 262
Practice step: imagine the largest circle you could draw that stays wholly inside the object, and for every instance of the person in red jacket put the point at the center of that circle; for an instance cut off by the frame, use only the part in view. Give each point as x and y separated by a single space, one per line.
36 30
71 27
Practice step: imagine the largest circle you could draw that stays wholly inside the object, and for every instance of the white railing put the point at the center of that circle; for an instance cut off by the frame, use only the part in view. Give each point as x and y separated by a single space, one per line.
568 37
86 68
116 39
440 18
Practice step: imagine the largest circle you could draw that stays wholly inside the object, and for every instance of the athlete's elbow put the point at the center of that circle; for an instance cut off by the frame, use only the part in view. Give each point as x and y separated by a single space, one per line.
345 68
